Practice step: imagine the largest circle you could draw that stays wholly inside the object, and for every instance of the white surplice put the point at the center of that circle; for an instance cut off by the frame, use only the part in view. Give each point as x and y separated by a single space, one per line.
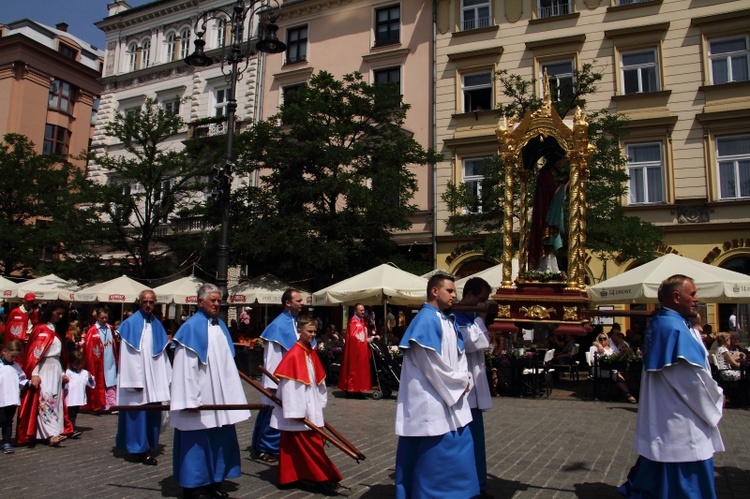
143 378
300 401
216 382
432 399
272 355
680 409
476 341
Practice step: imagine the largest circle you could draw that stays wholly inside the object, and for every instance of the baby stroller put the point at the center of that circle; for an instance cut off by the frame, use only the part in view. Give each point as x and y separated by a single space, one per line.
387 369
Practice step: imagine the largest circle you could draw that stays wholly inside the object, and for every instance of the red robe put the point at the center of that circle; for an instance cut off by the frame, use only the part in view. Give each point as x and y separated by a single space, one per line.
18 323
93 362
546 185
38 346
355 368
301 453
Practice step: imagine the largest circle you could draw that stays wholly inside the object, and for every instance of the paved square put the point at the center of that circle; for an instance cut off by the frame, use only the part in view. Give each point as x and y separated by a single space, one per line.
558 447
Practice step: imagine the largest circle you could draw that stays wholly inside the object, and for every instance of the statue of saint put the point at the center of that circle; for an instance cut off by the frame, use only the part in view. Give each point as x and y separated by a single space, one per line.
547 226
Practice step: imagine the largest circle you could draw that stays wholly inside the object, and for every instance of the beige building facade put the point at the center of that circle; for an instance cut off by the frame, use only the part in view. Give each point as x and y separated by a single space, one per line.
677 69
49 87
385 41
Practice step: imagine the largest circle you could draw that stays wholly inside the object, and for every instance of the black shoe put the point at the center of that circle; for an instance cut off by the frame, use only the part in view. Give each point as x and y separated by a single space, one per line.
76 434
149 460
196 493
287 486
329 488
215 490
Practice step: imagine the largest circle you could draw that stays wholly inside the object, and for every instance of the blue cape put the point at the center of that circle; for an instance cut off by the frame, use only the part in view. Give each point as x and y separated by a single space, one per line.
131 329
668 340
193 335
281 330
426 330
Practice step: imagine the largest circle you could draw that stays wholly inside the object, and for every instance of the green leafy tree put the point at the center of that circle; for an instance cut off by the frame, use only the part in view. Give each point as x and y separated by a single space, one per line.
334 182
149 183
610 232
42 212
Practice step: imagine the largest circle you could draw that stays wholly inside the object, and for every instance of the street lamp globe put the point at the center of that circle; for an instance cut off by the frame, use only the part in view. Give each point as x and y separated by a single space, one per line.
270 42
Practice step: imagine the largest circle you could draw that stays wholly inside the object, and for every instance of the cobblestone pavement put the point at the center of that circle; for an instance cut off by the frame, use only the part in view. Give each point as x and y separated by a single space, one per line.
563 446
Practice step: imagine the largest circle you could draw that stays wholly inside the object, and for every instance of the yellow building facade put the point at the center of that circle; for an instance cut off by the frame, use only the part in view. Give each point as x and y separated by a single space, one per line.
677 69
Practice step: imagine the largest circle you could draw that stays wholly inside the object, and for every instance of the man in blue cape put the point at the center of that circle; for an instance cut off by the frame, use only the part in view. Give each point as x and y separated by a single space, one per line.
677 432
278 337
206 450
145 374
432 411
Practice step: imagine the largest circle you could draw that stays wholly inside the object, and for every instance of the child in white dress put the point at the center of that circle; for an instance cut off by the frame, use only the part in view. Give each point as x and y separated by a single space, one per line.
75 389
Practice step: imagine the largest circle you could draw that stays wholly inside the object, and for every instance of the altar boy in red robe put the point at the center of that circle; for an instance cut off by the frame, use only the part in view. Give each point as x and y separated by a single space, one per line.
303 394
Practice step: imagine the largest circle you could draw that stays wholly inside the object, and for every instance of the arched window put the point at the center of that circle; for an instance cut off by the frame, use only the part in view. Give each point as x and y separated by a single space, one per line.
184 43
171 41
145 53
133 57
221 32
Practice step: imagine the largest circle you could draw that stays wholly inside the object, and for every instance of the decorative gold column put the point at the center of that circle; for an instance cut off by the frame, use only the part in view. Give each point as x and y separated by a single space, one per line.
579 156
523 233
507 152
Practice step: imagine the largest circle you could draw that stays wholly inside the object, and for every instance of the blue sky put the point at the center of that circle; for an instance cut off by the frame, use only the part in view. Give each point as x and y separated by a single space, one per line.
79 14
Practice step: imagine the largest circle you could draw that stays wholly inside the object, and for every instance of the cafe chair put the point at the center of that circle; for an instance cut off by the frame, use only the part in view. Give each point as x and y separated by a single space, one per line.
571 367
595 380
540 371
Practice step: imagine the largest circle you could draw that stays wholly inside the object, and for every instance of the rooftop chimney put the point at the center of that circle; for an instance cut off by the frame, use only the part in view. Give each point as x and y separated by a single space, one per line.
62 27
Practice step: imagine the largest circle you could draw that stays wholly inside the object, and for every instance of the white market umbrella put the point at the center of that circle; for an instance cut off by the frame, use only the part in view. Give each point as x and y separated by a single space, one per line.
266 289
46 288
640 285
493 276
181 291
7 287
384 283
120 290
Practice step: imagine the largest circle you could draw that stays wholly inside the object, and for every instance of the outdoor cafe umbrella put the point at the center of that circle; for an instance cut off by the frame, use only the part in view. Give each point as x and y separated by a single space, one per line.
640 285
122 289
493 276
384 283
46 288
265 290
7 287
181 291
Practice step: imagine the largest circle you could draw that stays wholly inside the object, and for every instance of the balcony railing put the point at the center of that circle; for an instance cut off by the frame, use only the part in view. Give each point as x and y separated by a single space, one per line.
212 127
476 23
554 10
188 225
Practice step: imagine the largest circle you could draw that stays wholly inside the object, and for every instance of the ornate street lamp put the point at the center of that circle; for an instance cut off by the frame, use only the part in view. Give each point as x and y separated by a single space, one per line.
241 51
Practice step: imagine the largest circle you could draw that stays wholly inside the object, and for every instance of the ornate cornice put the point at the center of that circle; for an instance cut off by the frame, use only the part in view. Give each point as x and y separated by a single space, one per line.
150 75
137 16
304 8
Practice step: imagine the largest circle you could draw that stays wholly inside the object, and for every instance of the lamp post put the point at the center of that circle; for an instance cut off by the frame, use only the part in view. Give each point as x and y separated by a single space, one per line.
240 52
